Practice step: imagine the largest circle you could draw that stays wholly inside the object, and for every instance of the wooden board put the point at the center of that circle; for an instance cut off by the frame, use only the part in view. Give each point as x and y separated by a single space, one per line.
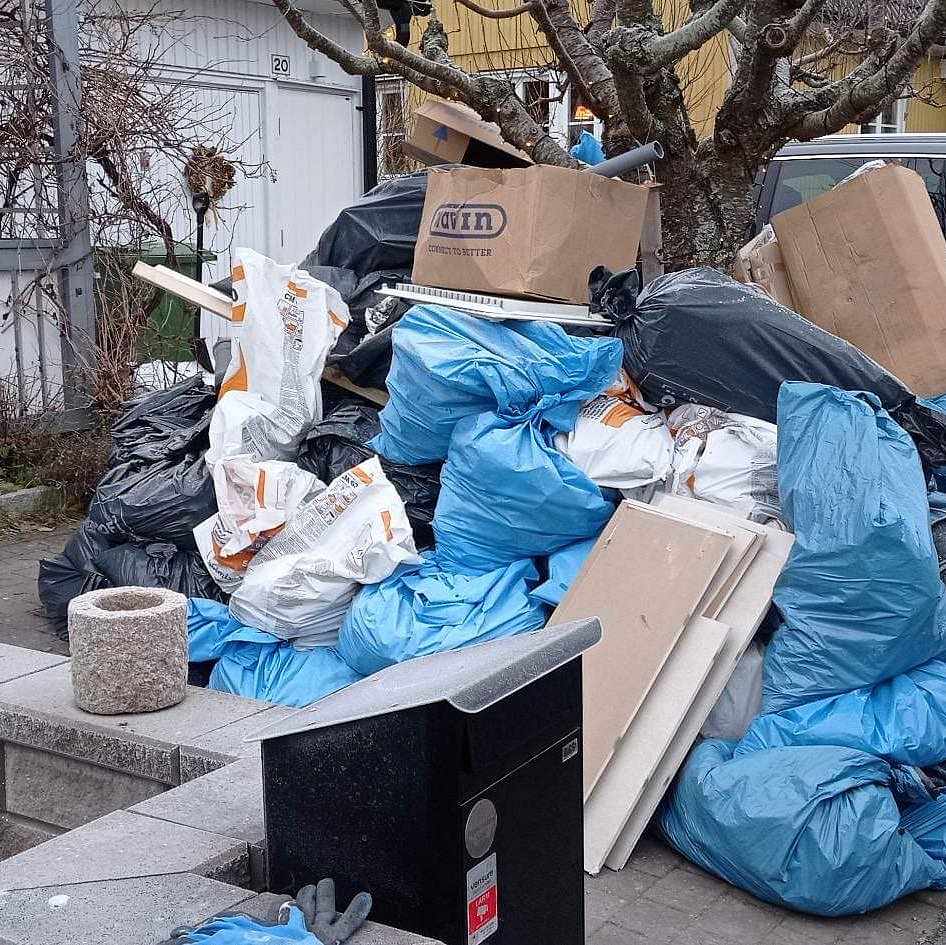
334 376
644 578
743 613
642 748
185 288
747 539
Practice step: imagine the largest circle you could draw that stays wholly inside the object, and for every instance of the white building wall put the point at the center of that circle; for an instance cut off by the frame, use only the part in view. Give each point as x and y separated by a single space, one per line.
305 125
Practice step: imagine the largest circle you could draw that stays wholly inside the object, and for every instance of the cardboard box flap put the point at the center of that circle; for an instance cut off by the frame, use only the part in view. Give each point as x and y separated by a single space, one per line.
450 131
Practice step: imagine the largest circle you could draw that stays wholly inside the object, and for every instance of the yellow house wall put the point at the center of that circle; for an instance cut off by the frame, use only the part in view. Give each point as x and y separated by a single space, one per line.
921 116
478 44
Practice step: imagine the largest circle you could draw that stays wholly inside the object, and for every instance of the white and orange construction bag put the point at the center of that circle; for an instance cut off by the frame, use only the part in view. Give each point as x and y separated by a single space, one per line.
300 584
619 441
254 501
287 323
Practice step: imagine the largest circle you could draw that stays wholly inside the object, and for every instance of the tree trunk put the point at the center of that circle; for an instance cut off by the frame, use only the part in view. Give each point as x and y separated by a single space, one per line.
707 208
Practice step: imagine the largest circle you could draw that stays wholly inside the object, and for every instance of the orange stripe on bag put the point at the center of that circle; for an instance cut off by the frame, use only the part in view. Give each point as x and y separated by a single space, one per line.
338 321
238 381
619 414
238 312
297 290
238 562
359 473
386 522
261 488
238 273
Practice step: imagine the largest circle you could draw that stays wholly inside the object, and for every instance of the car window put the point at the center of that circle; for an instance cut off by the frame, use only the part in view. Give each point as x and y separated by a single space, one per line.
933 172
805 179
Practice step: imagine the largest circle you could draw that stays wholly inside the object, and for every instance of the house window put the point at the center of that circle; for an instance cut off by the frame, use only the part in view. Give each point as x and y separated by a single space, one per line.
392 128
536 95
580 118
892 120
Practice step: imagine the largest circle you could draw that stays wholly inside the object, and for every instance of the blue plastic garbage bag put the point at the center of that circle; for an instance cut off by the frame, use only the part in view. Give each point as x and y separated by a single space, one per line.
210 628
506 493
278 672
814 829
926 823
242 930
859 594
423 609
934 403
259 665
588 149
901 719
448 365
564 566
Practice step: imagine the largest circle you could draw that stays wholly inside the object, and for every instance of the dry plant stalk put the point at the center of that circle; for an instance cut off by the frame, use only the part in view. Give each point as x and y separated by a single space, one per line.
145 134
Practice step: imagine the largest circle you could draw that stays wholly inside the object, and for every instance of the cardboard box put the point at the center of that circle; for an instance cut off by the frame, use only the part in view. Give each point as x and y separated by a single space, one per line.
535 232
760 262
867 262
449 133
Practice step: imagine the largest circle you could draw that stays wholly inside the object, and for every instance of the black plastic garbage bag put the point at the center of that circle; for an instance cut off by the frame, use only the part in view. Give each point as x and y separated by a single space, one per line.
377 232
698 336
73 572
344 281
338 442
163 425
158 564
369 362
162 501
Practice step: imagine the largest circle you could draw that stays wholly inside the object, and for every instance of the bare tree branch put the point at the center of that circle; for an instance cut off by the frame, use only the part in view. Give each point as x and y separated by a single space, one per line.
356 65
497 14
673 46
859 98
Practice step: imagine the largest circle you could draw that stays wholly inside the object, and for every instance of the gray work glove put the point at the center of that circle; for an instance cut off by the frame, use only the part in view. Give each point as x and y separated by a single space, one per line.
328 926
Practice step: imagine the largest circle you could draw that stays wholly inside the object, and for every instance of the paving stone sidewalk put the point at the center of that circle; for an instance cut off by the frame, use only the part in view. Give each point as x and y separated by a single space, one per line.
659 899
21 619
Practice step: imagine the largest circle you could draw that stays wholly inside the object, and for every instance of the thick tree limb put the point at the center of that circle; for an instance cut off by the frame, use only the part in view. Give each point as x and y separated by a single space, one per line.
494 98
601 21
673 46
355 65
497 14
584 66
861 98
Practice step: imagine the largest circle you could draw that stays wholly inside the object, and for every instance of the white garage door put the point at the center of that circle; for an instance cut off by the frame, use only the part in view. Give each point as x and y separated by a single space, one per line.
316 166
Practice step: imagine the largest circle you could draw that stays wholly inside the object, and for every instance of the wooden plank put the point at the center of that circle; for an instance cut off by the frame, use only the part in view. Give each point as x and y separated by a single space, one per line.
743 613
747 539
334 376
639 753
185 288
644 578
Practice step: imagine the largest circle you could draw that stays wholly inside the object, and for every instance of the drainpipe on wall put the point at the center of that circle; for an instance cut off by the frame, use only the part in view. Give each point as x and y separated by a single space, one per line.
369 131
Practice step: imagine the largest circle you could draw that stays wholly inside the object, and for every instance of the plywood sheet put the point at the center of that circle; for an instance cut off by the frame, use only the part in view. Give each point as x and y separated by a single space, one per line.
643 746
643 579
743 613
747 539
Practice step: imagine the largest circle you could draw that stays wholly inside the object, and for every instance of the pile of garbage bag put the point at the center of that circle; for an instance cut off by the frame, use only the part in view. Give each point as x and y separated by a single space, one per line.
156 489
804 808
321 539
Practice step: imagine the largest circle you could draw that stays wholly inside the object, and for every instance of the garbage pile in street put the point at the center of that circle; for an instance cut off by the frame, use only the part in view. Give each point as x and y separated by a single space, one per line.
521 474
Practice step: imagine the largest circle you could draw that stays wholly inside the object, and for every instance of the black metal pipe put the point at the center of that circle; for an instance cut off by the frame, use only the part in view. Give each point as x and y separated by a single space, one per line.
369 131
630 160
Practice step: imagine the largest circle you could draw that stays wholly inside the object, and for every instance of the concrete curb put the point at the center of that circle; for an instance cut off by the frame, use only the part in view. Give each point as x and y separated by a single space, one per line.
25 502
186 818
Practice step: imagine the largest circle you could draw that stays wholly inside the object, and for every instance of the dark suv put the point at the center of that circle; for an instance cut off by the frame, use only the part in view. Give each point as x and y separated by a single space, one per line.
802 171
